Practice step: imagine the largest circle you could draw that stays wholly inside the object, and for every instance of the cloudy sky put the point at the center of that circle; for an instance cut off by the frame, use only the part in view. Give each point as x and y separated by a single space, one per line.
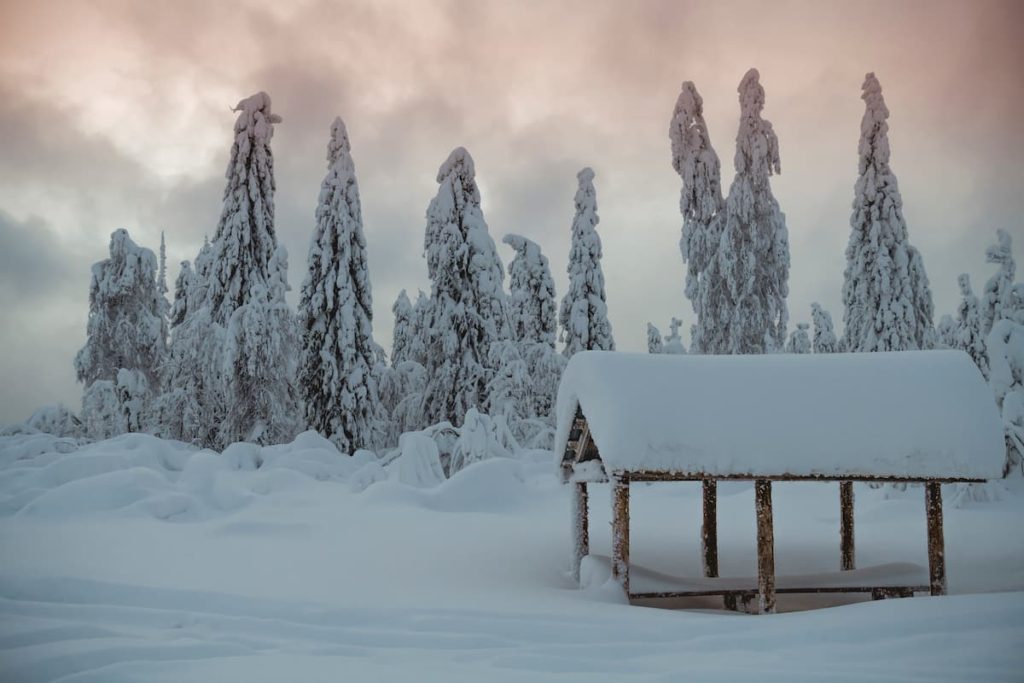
117 115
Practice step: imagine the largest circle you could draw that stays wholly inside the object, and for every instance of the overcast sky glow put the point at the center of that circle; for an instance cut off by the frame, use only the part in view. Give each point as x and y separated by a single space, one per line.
116 114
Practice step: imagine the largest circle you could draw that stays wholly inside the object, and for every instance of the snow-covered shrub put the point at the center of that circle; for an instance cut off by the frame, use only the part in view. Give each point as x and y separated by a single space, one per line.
824 336
674 340
101 411
419 462
481 437
56 419
799 339
1005 346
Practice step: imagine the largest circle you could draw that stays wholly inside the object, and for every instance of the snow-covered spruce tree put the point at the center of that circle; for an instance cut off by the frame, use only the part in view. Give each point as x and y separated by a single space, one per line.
799 339
968 335
700 203
422 314
336 377
101 411
245 289
753 254
1005 344
887 304
534 317
402 332
189 407
997 298
584 312
824 340
945 332
532 306
654 342
125 328
674 340
468 308
259 364
508 390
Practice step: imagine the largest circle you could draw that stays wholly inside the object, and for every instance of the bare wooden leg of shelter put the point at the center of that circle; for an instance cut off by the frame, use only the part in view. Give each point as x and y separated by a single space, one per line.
709 529
620 532
765 546
846 546
580 527
936 542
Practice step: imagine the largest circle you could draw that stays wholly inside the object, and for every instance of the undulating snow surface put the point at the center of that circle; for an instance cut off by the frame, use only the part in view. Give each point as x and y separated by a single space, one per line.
907 414
137 559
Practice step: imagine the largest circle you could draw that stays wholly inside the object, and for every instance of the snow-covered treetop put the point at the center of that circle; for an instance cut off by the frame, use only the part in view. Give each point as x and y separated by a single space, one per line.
459 164
931 414
757 147
874 130
338 143
694 159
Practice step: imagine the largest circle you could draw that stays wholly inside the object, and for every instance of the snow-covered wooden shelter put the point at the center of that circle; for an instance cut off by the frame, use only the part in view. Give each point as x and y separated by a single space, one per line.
886 417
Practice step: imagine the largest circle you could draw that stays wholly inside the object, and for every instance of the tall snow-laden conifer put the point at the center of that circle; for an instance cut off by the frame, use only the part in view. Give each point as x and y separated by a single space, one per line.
534 318
532 306
126 325
968 335
403 330
886 300
997 299
584 311
245 285
336 377
824 340
468 307
752 261
700 203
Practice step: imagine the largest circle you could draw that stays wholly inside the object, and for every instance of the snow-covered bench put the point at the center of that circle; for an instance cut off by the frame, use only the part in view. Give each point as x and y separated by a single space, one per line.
884 417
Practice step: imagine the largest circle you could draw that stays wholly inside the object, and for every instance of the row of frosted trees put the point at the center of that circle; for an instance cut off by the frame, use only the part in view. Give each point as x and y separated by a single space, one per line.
737 257
228 360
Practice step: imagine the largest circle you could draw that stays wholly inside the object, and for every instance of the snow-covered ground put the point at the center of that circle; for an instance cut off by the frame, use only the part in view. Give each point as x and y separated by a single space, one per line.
137 559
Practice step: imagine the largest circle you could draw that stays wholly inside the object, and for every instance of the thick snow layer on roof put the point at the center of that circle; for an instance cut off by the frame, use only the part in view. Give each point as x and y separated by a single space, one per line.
910 414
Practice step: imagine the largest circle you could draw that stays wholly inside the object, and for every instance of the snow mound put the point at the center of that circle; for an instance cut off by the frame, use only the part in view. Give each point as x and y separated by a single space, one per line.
137 474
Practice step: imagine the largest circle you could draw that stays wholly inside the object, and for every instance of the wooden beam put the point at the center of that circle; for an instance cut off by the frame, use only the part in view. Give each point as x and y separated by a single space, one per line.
936 542
709 529
654 475
846 544
765 546
620 531
580 527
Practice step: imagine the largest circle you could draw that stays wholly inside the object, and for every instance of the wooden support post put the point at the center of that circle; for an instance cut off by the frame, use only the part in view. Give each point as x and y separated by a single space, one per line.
580 527
846 545
620 531
709 529
765 546
936 542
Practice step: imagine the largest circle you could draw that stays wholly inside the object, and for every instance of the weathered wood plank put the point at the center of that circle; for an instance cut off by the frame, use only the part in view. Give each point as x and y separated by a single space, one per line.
846 539
709 528
765 546
580 527
732 593
648 475
620 531
936 542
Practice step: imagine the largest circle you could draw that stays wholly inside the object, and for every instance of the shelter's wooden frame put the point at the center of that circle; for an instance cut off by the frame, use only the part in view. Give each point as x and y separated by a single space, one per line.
581 449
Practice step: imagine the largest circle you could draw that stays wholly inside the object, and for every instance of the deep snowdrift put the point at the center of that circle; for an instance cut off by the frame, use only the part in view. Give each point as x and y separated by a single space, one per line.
137 559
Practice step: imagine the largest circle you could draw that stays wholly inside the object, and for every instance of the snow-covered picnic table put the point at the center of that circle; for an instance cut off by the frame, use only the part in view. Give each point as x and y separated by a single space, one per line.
885 417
